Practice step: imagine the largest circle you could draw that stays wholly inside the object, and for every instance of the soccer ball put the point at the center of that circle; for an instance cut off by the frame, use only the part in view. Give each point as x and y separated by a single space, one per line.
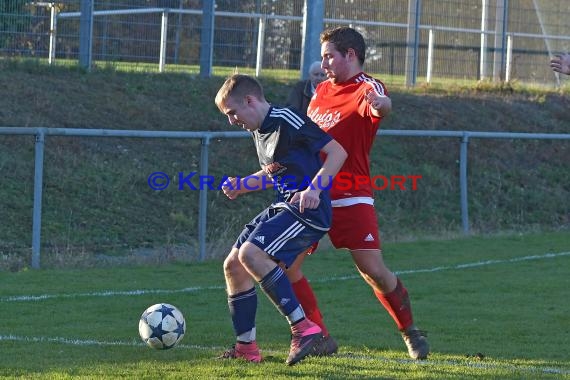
162 326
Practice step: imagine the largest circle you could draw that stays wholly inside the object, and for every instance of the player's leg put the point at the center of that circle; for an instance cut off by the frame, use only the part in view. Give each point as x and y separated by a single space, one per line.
306 296
356 228
242 303
242 300
392 294
304 293
276 286
282 238
386 286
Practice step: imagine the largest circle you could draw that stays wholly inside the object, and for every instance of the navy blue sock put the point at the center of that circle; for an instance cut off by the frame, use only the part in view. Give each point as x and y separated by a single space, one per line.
243 307
279 290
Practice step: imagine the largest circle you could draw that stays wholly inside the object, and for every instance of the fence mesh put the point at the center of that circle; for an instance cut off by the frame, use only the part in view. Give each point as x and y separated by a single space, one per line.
538 29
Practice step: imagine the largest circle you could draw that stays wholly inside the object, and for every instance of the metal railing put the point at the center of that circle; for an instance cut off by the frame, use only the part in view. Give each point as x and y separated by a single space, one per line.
41 133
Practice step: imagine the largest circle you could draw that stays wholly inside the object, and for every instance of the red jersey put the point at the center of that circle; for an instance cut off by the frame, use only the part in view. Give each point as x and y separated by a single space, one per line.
342 111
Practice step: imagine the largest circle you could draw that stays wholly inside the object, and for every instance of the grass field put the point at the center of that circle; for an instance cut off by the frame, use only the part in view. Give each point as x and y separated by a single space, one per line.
494 307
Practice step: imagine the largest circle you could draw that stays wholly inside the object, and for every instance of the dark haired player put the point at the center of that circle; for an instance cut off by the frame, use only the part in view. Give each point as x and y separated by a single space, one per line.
349 106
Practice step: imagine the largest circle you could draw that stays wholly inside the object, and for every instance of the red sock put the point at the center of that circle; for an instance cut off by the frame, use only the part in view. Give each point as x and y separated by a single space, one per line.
308 301
397 304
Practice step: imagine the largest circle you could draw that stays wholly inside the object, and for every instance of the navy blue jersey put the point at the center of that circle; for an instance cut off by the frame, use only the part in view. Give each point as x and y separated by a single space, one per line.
288 145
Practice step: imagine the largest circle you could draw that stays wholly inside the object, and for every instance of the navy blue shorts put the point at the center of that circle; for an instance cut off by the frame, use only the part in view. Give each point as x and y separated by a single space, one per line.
279 234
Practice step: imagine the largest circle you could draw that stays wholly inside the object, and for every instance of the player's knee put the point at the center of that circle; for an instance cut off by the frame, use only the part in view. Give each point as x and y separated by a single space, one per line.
231 263
373 277
245 256
382 282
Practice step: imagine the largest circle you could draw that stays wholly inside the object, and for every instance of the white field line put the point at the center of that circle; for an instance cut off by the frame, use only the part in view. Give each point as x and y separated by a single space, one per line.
90 342
113 293
427 363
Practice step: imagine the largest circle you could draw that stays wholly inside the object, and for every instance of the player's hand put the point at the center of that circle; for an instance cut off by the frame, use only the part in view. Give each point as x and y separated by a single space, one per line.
375 100
308 198
230 188
561 63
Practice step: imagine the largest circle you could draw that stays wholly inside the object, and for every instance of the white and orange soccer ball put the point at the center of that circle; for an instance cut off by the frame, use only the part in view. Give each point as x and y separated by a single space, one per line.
162 326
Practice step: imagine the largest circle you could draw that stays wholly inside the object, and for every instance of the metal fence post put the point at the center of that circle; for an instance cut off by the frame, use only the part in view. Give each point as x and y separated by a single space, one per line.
483 49
260 40
38 186
85 34
207 38
430 56
312 27
413 41
501 24
203 199
509 58
178 33
163 40
463 183
52 33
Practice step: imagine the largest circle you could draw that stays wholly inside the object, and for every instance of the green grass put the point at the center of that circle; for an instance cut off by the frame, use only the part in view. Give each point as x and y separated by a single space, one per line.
501 297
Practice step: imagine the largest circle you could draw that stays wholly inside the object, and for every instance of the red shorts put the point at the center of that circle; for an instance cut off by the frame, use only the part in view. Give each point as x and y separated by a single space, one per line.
355 227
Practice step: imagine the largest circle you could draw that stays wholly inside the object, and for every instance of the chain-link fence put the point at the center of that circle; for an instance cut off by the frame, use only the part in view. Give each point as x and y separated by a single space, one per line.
458 39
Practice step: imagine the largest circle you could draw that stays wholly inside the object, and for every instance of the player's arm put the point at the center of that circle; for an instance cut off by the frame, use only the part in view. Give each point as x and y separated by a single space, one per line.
335 157
235 186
